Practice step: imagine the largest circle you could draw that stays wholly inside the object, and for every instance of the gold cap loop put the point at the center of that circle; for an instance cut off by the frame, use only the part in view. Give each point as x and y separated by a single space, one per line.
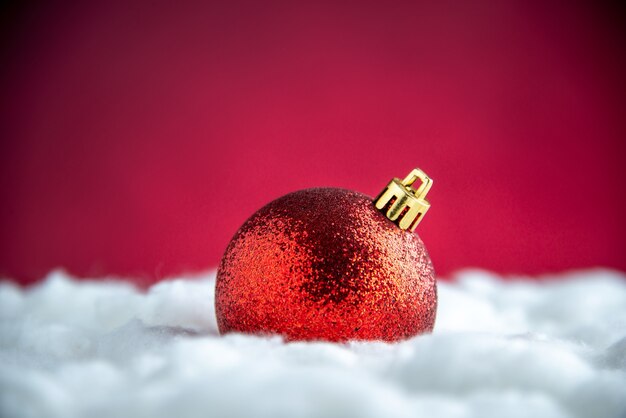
406 205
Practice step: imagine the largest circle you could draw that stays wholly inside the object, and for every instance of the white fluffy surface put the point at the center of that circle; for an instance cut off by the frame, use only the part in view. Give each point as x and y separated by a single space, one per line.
549 348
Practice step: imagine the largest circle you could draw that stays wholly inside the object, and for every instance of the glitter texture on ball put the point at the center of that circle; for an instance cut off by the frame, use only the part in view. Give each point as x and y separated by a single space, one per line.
325 264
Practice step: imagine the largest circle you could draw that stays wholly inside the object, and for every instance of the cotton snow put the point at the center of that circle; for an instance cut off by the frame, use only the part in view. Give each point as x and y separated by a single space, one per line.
554 347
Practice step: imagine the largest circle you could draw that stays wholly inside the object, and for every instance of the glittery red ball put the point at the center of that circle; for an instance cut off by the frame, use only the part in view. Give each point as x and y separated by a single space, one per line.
325 264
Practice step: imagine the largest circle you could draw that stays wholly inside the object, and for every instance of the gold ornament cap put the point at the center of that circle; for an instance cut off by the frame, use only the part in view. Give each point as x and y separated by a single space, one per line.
403 204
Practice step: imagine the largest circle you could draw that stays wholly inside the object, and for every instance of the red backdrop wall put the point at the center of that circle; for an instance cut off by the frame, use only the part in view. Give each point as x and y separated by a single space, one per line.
137 138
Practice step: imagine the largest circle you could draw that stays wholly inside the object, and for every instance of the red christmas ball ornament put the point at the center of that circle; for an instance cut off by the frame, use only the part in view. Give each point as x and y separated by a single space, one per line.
331 264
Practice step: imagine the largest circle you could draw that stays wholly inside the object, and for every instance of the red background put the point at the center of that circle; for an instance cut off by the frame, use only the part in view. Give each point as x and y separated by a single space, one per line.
137 138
